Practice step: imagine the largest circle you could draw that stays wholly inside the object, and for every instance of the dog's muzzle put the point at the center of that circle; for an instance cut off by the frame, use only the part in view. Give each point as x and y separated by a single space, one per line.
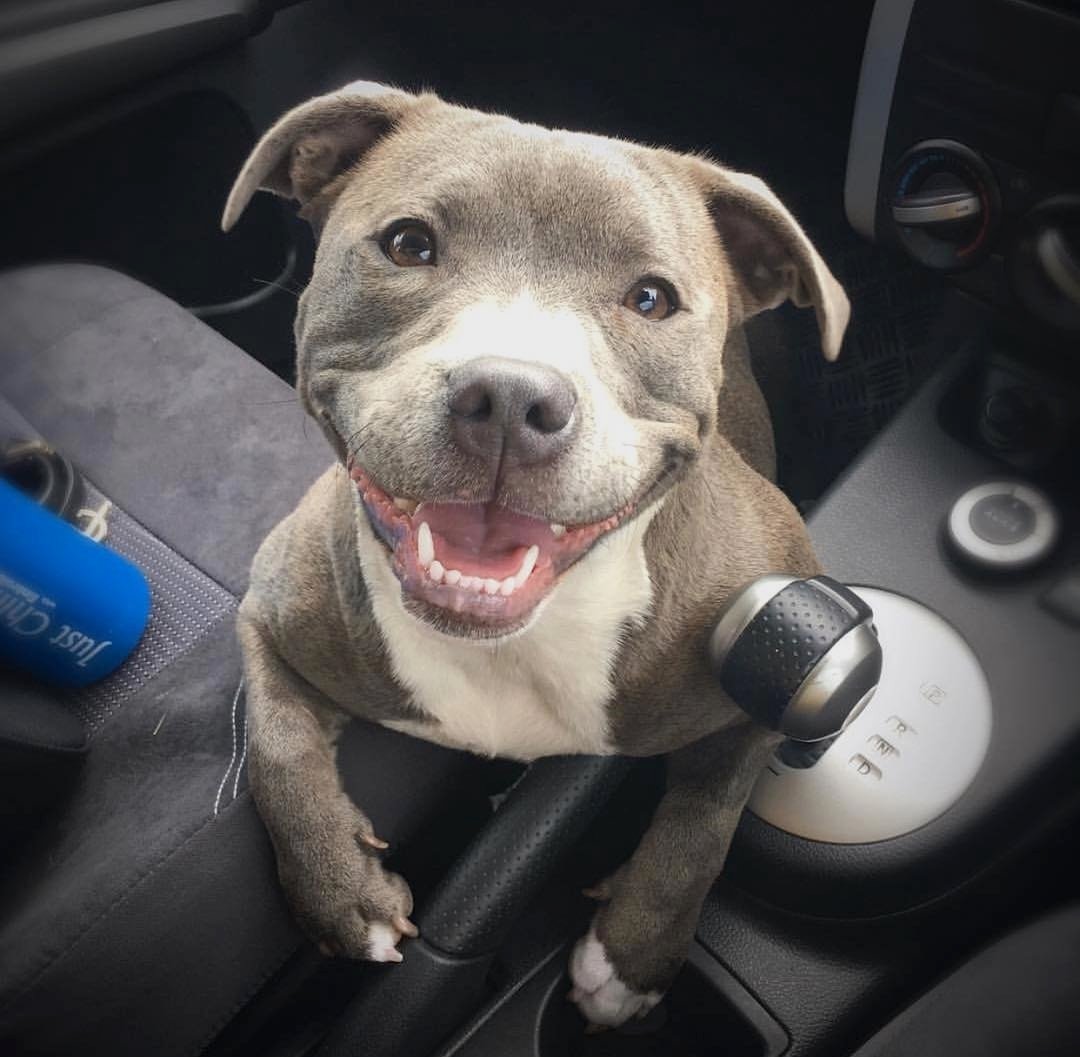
799 656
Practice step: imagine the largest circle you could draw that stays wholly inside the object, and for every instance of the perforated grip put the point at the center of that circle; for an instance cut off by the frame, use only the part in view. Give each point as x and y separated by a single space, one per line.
505 866
785 639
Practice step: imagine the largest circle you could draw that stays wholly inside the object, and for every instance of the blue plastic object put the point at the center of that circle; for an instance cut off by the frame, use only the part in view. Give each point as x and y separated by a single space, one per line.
71 610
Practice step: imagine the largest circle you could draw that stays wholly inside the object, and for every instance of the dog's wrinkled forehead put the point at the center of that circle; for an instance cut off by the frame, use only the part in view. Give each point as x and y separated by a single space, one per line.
525 201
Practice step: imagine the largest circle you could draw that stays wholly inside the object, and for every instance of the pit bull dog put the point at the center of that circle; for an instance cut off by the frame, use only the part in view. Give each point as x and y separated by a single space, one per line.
553 469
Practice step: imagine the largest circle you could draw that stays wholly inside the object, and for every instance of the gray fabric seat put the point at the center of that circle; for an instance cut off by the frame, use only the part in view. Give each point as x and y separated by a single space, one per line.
143 913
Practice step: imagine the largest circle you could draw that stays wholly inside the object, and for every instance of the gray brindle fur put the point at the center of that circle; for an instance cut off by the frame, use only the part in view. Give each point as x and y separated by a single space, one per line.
540 235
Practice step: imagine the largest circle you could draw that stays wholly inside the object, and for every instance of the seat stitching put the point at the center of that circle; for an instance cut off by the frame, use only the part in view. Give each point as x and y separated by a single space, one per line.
232 757
244 749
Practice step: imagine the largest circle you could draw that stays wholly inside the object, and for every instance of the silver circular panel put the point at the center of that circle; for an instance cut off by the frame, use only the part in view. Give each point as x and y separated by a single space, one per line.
908 756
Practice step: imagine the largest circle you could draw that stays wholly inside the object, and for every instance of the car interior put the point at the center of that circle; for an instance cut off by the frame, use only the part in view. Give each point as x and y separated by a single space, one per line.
909 887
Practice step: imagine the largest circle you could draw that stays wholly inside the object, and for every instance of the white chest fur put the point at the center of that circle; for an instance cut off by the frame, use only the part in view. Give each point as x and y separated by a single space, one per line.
542 692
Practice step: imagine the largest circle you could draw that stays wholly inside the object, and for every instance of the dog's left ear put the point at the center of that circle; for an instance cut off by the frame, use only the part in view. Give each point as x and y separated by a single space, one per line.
771 258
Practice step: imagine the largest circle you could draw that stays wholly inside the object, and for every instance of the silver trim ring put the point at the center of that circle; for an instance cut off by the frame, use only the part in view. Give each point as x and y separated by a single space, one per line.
1004 555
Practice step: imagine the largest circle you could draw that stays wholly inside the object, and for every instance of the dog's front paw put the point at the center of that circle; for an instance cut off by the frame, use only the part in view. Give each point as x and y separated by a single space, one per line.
350 905
598 991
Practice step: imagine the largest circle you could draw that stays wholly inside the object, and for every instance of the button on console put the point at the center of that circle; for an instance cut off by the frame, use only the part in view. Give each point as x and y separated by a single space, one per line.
1002 519
1003 525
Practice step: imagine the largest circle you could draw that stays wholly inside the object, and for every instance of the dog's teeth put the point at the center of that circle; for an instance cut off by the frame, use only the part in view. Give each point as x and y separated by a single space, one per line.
528 563
508 585
558 530
408 506
467 582
452 576
436 571
425 545
491 586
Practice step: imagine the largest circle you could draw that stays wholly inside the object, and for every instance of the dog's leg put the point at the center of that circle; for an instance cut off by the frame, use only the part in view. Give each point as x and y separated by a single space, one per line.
327 853
638 941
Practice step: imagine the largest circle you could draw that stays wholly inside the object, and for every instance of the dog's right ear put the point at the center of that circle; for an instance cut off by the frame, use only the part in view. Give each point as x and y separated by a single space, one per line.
769 254
302 156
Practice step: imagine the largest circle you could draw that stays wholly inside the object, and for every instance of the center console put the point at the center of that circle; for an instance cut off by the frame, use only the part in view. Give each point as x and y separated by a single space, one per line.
965 156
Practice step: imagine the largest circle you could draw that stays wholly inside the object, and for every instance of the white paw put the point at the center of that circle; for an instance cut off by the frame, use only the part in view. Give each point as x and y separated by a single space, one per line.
598 992
382 943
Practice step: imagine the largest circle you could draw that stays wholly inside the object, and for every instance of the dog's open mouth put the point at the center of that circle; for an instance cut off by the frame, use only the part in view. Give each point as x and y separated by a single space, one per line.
478 568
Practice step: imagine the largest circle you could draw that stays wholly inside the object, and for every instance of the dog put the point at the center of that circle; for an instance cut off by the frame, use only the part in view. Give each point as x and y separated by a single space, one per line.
553 469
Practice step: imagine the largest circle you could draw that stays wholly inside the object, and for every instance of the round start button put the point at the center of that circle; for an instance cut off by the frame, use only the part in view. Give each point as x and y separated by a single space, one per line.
1003 525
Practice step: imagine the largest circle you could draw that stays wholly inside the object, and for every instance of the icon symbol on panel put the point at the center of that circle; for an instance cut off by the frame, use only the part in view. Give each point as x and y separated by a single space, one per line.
864 767
882 747
933 693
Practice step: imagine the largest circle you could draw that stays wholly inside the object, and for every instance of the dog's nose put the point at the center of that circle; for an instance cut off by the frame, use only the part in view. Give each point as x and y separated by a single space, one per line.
508 407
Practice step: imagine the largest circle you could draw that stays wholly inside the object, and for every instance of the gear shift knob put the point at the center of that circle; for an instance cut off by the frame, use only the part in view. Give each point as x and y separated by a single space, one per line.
799 656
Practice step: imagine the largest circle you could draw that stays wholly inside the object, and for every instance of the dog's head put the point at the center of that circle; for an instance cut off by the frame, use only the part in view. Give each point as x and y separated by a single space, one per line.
513 335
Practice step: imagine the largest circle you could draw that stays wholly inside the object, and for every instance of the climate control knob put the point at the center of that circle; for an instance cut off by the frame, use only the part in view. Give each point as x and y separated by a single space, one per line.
944 205
1044 261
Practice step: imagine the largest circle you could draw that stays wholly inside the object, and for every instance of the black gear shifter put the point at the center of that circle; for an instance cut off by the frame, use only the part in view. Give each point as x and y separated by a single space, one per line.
800 656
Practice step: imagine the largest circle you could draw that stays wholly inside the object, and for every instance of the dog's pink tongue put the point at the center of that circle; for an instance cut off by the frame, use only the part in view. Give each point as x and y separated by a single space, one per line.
482 539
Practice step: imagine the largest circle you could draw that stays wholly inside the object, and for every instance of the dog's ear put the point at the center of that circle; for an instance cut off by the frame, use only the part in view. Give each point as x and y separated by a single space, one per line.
313 144
771 258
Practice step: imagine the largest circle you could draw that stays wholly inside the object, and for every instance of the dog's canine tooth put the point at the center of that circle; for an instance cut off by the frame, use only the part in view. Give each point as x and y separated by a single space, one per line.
452 576
436 571
558 530
528 563
425 545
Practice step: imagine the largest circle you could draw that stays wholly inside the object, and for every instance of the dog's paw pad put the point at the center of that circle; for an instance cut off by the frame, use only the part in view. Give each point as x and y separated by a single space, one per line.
598 992
382 943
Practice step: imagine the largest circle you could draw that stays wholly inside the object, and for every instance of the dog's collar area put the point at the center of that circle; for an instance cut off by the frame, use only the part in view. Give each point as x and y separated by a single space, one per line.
480 564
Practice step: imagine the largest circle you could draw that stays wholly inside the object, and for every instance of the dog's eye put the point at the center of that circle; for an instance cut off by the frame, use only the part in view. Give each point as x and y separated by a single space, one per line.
651 298
409 244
